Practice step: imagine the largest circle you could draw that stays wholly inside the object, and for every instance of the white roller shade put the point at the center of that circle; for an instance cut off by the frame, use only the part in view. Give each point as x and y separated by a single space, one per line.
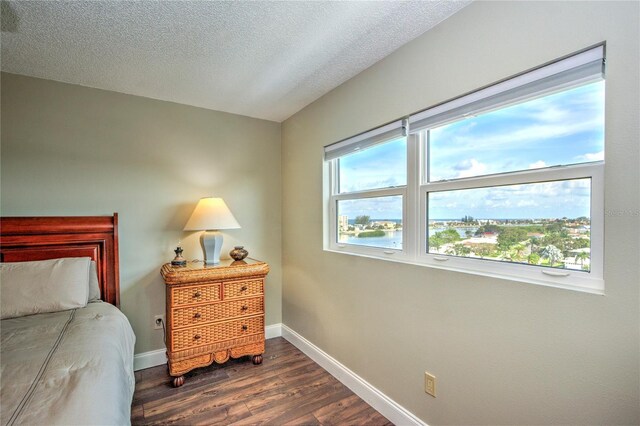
573 71
365 140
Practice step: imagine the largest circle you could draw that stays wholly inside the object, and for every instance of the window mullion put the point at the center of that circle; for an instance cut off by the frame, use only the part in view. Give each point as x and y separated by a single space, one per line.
516 178
371 193
411 223
597 222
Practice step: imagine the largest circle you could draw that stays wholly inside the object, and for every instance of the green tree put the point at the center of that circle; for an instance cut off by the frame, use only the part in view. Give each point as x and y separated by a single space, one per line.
449 236
467 219
369 234
579 243
554 227
488 228
534 258
435 242
510 236
363 220
460 250
484 250
557 240
582 256
517 252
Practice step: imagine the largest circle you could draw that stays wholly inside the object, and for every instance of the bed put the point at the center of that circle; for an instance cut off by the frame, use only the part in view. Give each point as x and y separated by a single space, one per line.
58 365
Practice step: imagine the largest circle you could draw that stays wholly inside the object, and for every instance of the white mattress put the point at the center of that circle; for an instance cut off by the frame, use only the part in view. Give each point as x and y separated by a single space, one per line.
70 367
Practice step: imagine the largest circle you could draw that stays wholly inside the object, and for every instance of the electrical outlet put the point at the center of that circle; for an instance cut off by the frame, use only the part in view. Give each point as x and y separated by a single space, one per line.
158 320
430 384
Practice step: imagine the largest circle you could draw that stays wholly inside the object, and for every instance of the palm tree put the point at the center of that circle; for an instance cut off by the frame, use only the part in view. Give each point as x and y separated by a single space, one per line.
518 250
582 256
533 258
435 242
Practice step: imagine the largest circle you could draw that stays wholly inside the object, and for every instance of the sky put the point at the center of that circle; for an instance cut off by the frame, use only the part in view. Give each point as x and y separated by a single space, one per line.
558 129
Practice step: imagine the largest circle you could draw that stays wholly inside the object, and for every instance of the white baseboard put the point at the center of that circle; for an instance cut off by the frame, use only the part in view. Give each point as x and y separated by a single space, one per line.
273 330
381 402
378 400
159 356
149 359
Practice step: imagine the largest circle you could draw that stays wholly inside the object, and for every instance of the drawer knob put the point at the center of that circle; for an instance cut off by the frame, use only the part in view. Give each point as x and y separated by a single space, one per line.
243 288
244 308
197 315
244 328
197 294
197 337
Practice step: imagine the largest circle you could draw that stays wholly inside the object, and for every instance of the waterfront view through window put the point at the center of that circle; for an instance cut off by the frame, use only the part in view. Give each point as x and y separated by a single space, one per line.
553 242
543 223
560 241
505 181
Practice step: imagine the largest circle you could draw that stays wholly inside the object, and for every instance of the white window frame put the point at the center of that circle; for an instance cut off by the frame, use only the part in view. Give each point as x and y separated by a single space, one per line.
415 193
565 278
407 192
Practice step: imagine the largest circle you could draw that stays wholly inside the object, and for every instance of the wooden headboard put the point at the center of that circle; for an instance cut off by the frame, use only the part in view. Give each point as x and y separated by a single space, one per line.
39 238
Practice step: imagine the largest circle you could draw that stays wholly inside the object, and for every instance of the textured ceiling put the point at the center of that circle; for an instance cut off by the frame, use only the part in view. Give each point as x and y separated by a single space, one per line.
260 59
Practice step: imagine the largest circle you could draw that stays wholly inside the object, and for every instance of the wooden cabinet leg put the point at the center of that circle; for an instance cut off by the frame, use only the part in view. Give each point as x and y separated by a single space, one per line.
256 359
178 381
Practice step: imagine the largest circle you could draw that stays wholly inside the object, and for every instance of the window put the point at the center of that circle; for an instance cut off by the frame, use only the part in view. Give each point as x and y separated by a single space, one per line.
506 181
370 190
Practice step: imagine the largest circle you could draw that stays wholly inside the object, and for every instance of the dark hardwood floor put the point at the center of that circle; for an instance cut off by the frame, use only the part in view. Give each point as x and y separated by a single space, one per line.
287 389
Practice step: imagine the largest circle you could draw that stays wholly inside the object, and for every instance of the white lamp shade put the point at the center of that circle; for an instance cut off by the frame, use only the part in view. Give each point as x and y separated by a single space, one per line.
211 213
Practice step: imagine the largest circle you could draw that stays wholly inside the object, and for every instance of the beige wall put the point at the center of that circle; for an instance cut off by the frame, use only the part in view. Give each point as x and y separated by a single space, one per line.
71 150
503 352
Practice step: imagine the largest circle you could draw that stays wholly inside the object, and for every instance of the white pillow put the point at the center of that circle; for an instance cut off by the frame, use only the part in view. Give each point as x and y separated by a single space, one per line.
43 286
94 284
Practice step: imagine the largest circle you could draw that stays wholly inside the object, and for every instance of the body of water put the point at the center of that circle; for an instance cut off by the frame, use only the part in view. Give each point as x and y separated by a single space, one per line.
393 239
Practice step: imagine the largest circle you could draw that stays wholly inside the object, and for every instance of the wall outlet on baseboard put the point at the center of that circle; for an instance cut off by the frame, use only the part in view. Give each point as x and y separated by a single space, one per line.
430 384
158 320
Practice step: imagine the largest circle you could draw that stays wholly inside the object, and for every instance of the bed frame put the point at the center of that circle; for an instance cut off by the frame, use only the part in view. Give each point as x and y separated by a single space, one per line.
39 238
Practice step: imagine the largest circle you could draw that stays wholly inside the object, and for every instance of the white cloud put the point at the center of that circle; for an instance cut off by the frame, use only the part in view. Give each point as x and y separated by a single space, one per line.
526 203
591 156
550 114
537 165
472 167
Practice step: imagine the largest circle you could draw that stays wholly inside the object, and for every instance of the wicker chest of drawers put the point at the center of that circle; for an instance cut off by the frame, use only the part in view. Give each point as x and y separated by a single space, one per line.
213 312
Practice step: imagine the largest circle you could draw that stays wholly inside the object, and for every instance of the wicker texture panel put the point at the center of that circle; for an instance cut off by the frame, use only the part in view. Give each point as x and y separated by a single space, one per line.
243 341
213 313
203 335
242 288
226 270
189 295
179 367
184 317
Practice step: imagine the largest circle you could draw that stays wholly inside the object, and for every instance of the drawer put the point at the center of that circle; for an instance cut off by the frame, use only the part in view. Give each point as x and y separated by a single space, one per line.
242 288
218 332
195 294
193 315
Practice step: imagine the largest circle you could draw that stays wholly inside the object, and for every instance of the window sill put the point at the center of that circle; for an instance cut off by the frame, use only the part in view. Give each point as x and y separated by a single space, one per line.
546 280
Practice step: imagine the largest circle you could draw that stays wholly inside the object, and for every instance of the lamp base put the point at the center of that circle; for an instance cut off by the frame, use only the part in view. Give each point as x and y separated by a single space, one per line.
211 245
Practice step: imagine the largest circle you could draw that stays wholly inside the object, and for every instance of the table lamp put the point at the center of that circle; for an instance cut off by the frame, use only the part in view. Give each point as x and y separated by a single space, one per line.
210 215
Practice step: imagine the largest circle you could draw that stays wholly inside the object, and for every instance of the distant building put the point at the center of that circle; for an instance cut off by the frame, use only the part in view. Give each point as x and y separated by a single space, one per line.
343 222
386 224
484 239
